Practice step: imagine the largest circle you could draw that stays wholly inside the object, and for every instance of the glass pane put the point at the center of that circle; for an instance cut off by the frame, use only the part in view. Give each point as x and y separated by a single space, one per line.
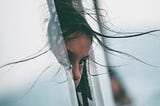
97 90
31 74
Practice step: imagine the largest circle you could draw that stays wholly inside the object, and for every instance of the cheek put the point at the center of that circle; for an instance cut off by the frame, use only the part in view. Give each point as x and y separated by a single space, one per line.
71 45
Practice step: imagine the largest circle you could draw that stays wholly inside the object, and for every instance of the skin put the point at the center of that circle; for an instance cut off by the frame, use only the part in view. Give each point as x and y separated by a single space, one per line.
78 49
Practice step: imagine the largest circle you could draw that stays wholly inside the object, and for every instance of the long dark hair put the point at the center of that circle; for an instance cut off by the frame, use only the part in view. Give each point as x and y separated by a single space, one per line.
72 20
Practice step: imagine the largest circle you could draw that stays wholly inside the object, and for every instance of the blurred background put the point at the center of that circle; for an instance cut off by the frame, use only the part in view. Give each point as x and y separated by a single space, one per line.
141 81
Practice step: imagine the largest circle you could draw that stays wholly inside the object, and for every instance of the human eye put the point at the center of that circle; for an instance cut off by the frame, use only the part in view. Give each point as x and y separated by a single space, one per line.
83 60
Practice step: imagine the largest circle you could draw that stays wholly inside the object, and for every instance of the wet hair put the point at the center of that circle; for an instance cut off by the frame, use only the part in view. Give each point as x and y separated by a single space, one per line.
72 20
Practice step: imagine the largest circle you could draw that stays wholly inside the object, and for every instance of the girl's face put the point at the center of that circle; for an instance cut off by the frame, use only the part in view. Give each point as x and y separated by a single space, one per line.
78 49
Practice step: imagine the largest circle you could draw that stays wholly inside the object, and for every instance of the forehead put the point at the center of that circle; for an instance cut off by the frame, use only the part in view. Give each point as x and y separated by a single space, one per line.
78 45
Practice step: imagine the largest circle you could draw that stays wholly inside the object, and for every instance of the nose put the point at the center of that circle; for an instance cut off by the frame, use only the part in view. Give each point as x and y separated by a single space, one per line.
77 72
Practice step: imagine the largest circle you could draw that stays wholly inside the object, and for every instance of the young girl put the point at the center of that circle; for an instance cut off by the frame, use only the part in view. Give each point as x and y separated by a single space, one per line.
78 37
